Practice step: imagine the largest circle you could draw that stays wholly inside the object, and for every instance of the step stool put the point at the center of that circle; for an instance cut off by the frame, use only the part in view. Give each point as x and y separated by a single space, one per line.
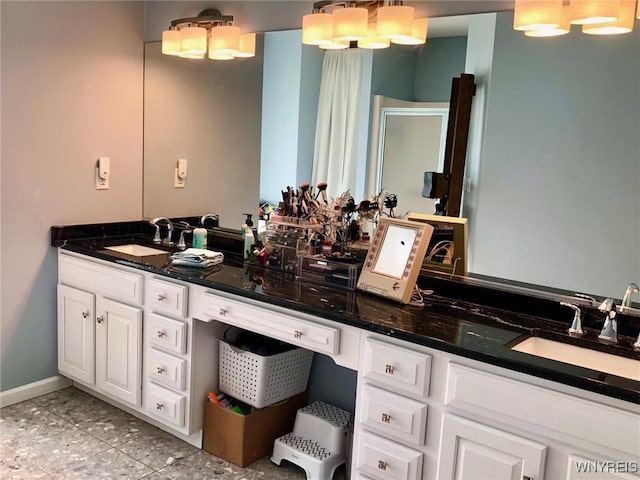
318 441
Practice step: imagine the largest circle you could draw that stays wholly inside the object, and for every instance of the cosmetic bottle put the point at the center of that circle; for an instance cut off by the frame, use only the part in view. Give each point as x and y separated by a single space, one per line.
199 238
247 233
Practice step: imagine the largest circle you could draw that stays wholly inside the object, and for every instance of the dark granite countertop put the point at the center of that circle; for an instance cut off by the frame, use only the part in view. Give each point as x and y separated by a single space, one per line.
471 321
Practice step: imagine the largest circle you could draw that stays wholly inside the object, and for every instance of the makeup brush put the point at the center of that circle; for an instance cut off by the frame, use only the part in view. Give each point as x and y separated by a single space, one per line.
322 190
304 188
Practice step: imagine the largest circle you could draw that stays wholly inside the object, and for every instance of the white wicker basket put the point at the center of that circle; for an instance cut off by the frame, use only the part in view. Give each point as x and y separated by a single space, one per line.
263 380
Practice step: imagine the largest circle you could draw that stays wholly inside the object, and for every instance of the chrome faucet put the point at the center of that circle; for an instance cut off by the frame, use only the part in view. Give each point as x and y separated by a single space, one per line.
576 325
186 228
209 215
609 331
157 238
626 300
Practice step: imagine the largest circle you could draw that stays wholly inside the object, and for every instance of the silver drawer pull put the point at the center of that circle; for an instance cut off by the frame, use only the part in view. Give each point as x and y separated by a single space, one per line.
162 297
297 334
159 406
223 312
85 314
389 369
160 370
386 418
382 465
161 333
99 319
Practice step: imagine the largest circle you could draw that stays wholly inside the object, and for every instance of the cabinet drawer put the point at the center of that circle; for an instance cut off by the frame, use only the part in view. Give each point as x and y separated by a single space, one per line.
164 404
296 331
167 297
386 460
110 282
393 415
167 333
166 369
397 367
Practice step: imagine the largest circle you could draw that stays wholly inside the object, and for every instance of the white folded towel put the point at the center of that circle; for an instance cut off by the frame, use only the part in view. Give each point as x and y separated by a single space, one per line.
197 257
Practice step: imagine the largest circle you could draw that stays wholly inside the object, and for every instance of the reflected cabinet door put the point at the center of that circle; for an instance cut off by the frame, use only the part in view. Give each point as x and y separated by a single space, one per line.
472 451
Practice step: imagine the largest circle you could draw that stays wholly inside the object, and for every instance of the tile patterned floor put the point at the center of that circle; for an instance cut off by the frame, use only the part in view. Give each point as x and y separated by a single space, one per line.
71 435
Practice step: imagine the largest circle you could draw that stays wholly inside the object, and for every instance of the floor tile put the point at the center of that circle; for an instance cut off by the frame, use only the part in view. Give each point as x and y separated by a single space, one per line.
154 447
14 466
109 464
204 466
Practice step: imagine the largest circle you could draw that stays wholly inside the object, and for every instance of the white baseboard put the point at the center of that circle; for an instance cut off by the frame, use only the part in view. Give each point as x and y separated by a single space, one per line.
32 390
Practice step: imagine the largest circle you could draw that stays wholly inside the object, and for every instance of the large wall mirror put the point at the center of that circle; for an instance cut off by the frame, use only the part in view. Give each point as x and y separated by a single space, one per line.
553 162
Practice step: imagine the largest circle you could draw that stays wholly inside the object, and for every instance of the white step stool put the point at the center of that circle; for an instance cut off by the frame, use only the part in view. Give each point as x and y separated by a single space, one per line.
317 443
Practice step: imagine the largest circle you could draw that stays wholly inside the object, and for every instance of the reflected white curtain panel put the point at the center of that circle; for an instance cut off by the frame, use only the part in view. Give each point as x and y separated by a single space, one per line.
335 153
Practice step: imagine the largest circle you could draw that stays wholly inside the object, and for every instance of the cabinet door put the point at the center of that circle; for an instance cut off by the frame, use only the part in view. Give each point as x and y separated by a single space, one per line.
472 451
76 334
119 350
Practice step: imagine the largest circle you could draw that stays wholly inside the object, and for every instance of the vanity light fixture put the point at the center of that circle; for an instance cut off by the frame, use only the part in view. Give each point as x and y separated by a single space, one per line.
210 34
597 17
369 23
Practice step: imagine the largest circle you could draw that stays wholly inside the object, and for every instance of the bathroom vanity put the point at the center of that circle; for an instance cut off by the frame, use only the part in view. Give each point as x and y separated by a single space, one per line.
440 392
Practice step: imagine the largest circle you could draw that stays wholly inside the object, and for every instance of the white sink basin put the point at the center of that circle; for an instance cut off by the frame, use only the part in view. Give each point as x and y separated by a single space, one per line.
136 250
582 357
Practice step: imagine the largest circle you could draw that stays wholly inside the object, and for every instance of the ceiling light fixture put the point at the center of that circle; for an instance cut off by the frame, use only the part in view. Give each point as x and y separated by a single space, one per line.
211 34
369 23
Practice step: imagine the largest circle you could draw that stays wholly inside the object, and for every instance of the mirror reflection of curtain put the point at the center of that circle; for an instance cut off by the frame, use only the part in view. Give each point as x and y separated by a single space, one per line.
336 144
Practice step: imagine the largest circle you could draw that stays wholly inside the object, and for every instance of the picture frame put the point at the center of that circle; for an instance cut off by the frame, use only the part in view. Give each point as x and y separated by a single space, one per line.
447 250
395 258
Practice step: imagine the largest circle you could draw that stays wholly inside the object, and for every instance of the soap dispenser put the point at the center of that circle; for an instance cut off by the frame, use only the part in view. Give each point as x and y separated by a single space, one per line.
247 234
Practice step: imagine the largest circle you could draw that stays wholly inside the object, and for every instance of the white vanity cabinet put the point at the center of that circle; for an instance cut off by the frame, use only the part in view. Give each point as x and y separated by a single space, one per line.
391 411
426 414
100 327
126 336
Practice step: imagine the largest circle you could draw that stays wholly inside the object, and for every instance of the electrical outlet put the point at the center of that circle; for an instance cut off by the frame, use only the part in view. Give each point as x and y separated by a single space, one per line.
103 172
177 181
180 176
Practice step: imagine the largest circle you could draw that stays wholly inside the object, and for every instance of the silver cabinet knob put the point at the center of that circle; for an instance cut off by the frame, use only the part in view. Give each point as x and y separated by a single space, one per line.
161 334
223 312
160 370
159 406
99 319
389 369
297 334
162 297
382 465
386 418
85 314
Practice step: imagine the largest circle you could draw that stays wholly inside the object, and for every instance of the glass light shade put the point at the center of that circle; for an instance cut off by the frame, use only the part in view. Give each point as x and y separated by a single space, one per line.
349 23
316 28
193 40
419 36
171 42
220 56
562 29
373 41
395 21
337 45
247 46
193 56
536 14
624 23
224 40
584 12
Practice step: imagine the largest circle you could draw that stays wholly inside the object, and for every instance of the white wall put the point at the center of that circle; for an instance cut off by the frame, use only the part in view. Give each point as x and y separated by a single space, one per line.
66 100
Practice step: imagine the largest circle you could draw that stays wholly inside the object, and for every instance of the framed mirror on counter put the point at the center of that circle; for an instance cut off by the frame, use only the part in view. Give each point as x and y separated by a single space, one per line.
447 250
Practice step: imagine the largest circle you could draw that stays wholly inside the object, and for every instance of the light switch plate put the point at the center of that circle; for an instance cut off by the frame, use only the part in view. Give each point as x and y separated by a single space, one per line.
177 181
103 173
